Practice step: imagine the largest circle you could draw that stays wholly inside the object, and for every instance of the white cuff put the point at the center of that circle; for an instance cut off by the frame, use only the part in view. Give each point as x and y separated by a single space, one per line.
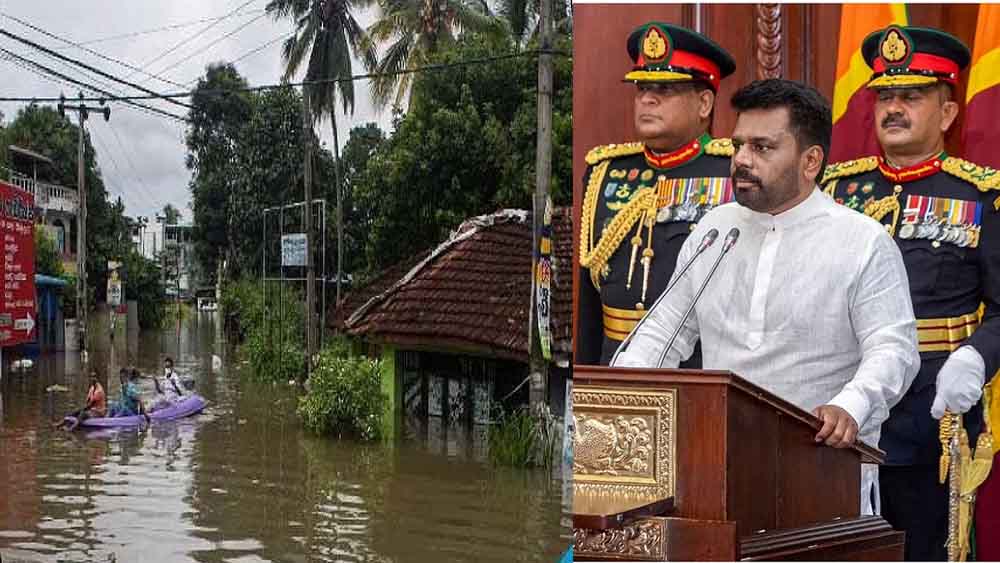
855 403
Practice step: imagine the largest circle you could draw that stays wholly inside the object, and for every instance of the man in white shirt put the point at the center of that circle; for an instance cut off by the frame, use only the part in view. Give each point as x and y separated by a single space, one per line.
813 302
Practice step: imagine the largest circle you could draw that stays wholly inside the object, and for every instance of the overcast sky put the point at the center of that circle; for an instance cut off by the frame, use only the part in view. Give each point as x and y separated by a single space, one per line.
141 156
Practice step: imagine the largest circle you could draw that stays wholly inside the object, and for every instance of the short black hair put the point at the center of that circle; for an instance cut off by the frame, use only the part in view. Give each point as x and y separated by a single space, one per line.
169 360
809 114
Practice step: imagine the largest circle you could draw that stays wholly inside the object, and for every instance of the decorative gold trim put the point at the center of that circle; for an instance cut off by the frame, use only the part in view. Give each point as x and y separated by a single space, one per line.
720 147
614 334
849 168
633 314
983 177
618 325
614 150
657 76
880 208
950 322
831 187
618 229
642 540
624 443
901 80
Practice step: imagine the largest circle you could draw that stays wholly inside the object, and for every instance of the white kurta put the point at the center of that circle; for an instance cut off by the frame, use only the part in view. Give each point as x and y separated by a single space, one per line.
812 304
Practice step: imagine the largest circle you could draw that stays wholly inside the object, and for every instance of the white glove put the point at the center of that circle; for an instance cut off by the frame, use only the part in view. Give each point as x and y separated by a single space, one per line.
960 382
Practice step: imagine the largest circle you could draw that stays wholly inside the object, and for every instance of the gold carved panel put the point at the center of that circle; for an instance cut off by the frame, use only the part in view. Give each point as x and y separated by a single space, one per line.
641 540
624 442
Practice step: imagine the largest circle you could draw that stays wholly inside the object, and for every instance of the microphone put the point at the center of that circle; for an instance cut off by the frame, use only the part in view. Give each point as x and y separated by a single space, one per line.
730 242
706 241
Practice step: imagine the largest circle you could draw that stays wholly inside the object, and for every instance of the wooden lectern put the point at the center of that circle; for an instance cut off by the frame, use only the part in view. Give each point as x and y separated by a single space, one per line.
703 465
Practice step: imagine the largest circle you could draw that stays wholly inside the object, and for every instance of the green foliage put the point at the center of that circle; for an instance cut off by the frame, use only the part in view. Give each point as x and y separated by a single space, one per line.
142 278
272 329
345 396
43 130
245 153
47 261
466 147
522 440
171 214
415 31
172 310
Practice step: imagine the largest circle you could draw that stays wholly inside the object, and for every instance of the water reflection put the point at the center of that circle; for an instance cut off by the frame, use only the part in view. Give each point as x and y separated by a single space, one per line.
242 482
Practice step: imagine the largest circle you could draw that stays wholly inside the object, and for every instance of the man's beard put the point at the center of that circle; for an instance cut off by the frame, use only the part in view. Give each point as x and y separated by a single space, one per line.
766 197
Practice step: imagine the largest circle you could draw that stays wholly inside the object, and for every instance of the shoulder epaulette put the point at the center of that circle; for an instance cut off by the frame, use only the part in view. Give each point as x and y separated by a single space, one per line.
613 150
983 177
720 147
849 168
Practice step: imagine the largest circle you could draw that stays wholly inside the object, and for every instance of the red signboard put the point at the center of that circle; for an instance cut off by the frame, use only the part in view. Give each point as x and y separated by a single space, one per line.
17 272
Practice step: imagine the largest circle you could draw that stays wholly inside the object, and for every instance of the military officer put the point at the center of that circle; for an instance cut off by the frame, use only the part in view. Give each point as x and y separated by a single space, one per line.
943 213
643 198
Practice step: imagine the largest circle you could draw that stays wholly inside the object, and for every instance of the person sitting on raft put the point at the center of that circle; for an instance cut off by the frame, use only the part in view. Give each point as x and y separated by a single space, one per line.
168 388
130 403
96 406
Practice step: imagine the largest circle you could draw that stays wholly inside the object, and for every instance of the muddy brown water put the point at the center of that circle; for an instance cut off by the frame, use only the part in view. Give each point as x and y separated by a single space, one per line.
243 482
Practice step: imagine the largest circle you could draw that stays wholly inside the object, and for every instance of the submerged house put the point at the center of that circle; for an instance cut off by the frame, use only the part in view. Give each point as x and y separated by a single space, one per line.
452 323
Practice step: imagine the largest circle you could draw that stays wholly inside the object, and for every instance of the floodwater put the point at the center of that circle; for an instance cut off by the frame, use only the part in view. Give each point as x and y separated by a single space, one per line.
242 482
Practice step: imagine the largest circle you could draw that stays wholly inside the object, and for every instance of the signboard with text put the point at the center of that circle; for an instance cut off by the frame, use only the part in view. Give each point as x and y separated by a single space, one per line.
17 229
293 249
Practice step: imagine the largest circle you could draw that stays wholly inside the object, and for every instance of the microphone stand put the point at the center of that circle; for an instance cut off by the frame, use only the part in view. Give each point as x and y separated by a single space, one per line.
707 241
731 238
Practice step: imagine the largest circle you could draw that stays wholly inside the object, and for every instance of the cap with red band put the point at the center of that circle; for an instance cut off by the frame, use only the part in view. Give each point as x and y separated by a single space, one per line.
663 52
912 57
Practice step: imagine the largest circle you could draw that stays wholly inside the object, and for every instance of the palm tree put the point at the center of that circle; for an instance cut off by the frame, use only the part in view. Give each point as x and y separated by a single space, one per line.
522 18
327 32
416 29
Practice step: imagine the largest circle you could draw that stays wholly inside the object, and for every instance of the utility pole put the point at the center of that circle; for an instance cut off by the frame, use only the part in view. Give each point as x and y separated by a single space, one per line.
538 365
310 272
81 232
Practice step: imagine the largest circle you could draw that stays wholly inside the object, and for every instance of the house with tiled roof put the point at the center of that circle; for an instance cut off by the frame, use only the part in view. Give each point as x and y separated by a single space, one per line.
453 320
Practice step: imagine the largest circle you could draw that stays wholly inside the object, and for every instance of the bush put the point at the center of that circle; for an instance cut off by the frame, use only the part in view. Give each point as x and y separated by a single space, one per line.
522 440
345 396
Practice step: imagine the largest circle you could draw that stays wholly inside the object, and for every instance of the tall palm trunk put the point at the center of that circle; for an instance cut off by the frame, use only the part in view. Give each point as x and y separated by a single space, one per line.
340 199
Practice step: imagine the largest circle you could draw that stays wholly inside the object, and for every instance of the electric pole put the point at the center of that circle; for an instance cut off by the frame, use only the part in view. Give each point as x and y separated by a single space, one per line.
81 232
538 365
310 273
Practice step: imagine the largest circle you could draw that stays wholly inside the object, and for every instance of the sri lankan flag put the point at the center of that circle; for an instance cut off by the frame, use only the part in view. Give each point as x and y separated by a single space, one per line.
853 104
980 135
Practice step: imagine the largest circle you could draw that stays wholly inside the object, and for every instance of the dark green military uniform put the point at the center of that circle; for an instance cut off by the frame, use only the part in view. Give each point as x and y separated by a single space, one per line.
945 216
633 206
639 205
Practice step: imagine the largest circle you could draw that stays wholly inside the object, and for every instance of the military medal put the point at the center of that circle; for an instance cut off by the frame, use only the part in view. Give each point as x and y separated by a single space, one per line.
633 174
907 231
646 176
867 188
664 214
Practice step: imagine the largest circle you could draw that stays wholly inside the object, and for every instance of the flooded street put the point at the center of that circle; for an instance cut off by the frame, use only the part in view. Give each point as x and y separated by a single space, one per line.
243 482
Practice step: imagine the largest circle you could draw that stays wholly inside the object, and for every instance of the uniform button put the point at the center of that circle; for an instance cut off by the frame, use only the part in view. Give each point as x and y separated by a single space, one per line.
897 188
640 307
692 226
936 244
888 228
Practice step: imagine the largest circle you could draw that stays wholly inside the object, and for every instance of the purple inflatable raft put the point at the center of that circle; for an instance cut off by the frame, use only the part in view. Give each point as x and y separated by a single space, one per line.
189 405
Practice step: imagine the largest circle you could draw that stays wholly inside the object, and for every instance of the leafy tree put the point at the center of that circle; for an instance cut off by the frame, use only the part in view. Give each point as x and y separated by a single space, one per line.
171 215
327 30
47 261
466 147
43 130
362 144
417 30
143 284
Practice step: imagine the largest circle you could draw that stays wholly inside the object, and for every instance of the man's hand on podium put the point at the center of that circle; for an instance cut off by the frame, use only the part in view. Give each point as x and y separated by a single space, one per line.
839 428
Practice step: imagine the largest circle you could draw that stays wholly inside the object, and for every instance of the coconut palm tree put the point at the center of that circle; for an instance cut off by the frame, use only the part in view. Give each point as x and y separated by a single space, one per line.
326 34
414 30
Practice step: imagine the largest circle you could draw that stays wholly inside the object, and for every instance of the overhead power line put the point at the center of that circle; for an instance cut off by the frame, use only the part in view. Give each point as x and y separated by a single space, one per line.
107 96
89 50
97 71
162 29
212 44
365 76
195 35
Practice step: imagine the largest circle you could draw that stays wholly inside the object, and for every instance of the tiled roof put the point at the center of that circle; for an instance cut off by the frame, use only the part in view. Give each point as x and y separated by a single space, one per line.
471 294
